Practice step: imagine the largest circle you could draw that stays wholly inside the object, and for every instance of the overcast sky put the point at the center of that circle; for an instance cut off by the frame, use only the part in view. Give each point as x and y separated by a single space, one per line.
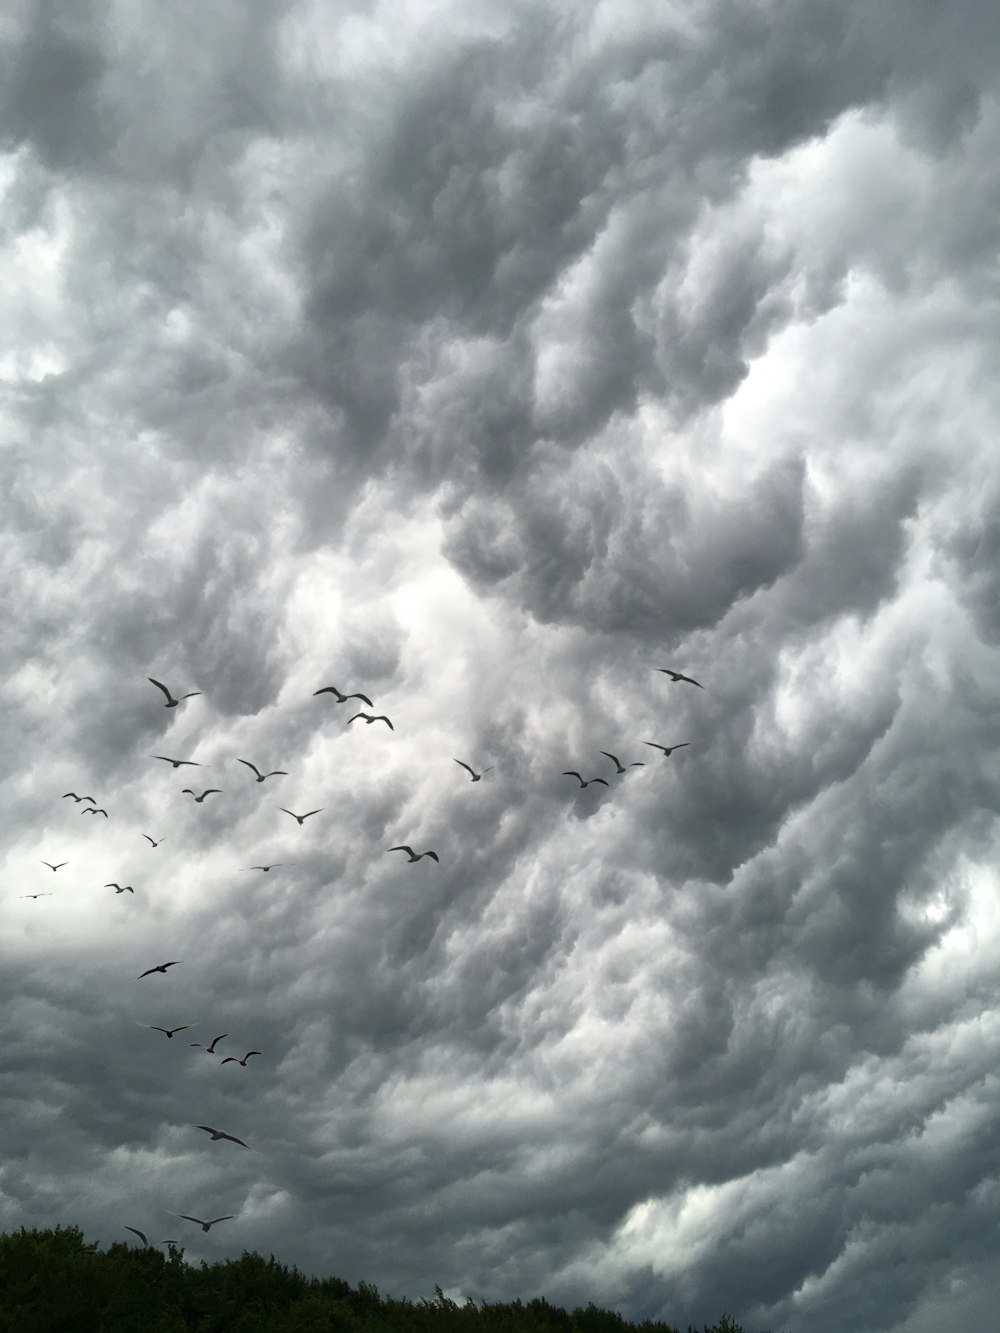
484 358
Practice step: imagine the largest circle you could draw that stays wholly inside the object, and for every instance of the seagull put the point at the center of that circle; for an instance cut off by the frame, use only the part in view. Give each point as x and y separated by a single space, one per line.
161 968
52 867
667 749
36 895
168 1031
118 888
476 777
93 810
300 818
343 698
571 773
218 1134
150 840
204 1225
676 676
177 762
78 799
274 864
171 701
415 856
242 1062
637 763
275 773
369 719
211 1049
207 792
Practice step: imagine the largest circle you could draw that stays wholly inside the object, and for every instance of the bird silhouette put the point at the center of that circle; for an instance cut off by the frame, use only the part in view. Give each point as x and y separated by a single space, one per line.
150 840
415 856
207 792
274 864
476 777
218 1134
211 1049
169 1032
667 749
381 717
161 967
171 701
343 698
676 676
275 773
571 773
141 1234
118 888
52 867
78 799
93 810
177 763
637 763
242 1062
205 1226
300 818
36 895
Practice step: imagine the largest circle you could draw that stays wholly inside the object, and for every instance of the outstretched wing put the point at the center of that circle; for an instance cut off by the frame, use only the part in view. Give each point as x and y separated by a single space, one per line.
136 1232
356 716
465 766
160 686
382 718
434 856
409 850
363 697
614 758
249 765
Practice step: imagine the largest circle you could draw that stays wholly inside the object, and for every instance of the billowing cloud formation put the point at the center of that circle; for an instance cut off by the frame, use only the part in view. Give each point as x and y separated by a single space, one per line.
485 362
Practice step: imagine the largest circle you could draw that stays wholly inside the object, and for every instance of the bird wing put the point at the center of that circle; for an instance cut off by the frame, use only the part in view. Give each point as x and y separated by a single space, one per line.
363 697
382 718
137 1232
209 790
156 1029
284 811
185 1028
600 780
159 686
148 838
607 754
228 1217
188 1218
312 812
69 793
233 1139
249 1053
212 1047
465 766
571 773
191 695
111 886
207 1128
434 856
249 765
653 744
409 850
276 773
226 1062
356 716
327 689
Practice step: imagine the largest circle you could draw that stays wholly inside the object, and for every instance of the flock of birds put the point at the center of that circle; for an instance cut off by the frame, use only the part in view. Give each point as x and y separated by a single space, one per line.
218 1135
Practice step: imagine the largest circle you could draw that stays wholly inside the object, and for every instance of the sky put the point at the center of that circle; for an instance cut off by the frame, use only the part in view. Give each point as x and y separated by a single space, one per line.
485 359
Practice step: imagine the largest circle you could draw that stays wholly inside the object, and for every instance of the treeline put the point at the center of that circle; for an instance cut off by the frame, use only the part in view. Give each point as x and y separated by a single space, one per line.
53 1281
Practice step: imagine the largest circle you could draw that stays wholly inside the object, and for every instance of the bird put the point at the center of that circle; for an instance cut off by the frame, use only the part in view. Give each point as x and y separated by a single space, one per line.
93 810
415 856
205 1226
242 1062
275 773
36 895
54 868
207 792
169 1032
76 798
274 864
571 773
369 719
192 763
300 818
119 888
140 1234
150 840
211 1048
218 1134
161 967
667 749
343 698
476 777
636 763
171 701
676 676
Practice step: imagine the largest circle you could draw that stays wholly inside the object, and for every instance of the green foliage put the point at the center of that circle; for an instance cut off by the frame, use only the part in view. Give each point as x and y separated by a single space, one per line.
56 1282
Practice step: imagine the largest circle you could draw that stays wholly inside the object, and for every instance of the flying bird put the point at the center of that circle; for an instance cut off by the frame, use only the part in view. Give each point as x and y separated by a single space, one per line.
667 749
242 1062
218 1134
93 810
274 864
118 888
369 719
636 763
300 818
415 856
211 1049
36 895
476 777
207 792
76 798
177 763
150 840
169 1032
52 867
571 773
676 676
343 698
205 1226
275 773
171 701
162 967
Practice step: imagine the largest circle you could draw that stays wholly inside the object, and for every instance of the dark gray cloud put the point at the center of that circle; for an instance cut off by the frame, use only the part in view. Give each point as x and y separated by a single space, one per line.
485 363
